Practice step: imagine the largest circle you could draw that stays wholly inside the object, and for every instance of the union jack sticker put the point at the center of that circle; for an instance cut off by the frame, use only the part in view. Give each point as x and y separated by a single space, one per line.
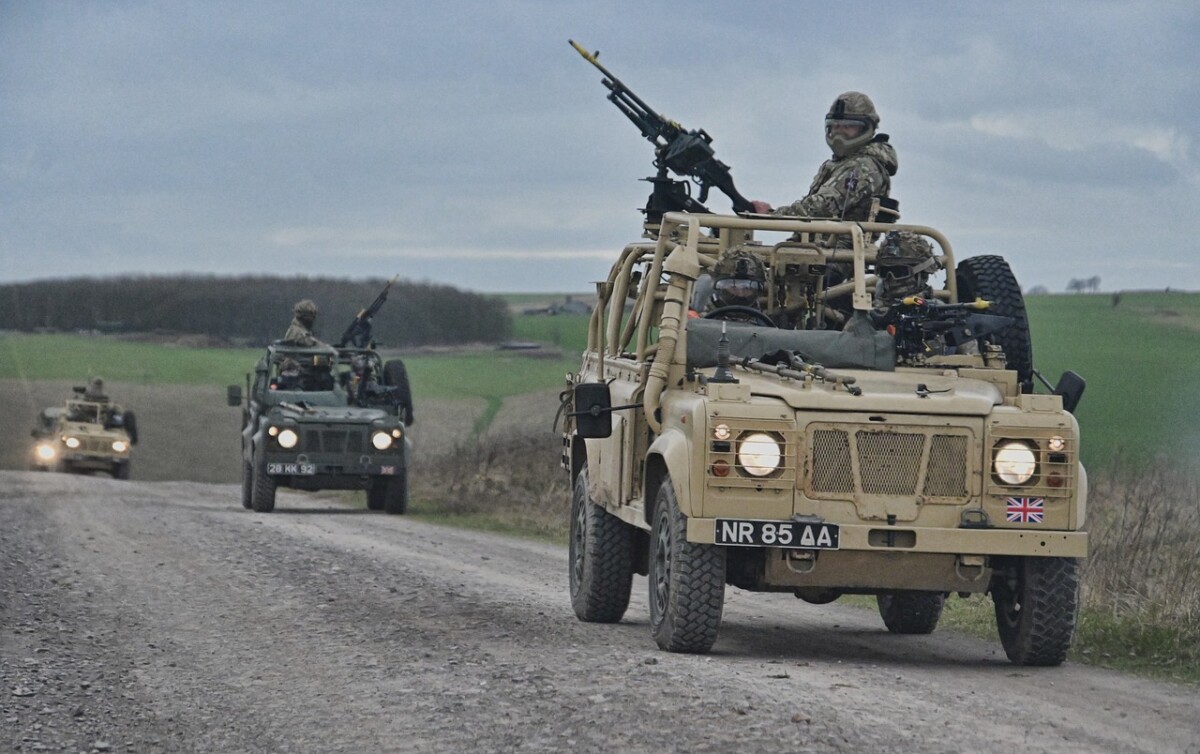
387 469
1025 510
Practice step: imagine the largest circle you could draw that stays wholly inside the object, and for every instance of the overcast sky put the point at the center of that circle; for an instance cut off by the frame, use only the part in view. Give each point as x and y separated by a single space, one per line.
467 143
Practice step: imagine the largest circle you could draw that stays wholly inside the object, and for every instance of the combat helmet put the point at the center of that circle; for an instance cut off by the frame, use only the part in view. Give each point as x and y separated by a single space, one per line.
740 279
855 108
95 390
305 310
904 263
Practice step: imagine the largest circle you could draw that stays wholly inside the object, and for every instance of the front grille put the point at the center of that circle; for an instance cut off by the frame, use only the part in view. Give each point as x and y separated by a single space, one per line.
946 475
846 462
94 445
831 470
333 441
889 462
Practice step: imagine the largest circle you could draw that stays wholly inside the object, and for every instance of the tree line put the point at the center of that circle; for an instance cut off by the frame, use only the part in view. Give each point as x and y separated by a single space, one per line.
252 309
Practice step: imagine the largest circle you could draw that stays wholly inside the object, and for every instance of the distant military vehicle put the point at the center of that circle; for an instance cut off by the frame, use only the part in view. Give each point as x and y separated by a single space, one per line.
326 417
88 433
849 427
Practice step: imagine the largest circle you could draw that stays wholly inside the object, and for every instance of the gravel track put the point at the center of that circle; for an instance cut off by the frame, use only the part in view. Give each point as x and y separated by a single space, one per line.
138 616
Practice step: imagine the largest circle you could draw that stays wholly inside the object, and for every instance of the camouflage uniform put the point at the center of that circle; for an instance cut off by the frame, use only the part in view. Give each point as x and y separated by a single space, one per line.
860 170
95 391
300 332
299 335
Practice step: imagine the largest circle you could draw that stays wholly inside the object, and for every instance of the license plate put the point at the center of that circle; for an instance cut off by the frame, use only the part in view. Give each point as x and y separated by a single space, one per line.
794 534
292 469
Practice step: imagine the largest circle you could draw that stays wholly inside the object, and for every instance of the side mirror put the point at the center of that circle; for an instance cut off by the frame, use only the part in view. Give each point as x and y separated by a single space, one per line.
233 395
1070 387
593 410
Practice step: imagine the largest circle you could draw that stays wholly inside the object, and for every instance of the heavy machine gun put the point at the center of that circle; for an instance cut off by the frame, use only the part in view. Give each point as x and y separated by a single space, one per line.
683 152
927 327
358 334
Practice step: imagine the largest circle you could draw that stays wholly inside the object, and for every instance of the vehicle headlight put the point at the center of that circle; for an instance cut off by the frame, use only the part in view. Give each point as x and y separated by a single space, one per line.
120 446
45 451
71 442
287 438
381 440
1015 462
759 454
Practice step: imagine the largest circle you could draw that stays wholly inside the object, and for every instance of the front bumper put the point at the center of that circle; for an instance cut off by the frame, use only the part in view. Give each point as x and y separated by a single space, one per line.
873 538
83 461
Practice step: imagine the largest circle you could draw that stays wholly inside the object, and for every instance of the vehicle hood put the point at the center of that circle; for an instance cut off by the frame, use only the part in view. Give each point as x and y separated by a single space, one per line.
329 414
891 392
92 429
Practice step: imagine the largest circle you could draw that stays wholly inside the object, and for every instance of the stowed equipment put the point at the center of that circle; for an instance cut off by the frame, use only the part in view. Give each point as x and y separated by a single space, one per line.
927 327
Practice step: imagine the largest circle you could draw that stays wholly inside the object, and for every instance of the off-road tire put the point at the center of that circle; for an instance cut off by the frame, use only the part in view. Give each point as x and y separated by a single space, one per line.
600 559
130 423
263 495
247 484
989 277
911 612
687 581
377 494
1036 615
395 375
120 470
395 495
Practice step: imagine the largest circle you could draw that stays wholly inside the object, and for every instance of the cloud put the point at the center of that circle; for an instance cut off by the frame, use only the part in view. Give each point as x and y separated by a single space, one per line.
468 140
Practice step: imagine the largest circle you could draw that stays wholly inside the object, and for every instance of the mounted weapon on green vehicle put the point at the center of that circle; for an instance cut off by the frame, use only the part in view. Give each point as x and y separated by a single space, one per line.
358 333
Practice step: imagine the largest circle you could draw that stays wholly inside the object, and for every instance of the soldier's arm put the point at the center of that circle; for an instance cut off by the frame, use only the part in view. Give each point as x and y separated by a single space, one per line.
831 197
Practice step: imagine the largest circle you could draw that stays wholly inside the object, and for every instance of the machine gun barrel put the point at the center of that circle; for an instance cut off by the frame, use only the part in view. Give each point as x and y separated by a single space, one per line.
358 334
684 152
652 125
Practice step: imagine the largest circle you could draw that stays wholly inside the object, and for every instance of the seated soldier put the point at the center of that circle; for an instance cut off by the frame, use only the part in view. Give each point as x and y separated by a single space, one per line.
739 283
903 265
290 377
300 333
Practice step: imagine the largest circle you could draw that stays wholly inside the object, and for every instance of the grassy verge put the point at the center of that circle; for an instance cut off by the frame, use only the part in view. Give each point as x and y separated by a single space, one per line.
510 483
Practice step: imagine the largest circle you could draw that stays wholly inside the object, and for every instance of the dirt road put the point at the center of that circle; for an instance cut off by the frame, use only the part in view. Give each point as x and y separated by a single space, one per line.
145 616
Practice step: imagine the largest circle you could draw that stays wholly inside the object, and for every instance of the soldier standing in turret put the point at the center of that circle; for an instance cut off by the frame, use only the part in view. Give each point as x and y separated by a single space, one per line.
859 171
304 316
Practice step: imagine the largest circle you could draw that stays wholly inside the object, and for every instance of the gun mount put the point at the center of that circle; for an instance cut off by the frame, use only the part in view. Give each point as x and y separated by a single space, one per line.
358 333
687 153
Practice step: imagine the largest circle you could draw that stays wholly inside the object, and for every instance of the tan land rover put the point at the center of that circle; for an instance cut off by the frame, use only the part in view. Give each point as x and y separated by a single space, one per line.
822 408
88 433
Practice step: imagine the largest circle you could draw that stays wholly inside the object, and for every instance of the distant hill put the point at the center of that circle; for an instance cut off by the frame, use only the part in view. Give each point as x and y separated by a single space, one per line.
251 309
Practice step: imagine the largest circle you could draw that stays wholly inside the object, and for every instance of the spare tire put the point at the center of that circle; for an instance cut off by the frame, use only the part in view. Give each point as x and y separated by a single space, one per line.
990 278
130 422
395 375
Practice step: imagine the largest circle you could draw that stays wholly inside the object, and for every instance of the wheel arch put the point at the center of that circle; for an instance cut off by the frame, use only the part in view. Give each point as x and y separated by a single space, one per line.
669 455
579 459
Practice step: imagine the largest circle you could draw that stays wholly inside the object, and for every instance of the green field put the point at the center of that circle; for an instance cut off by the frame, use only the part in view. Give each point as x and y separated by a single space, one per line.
492 375
1141 360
